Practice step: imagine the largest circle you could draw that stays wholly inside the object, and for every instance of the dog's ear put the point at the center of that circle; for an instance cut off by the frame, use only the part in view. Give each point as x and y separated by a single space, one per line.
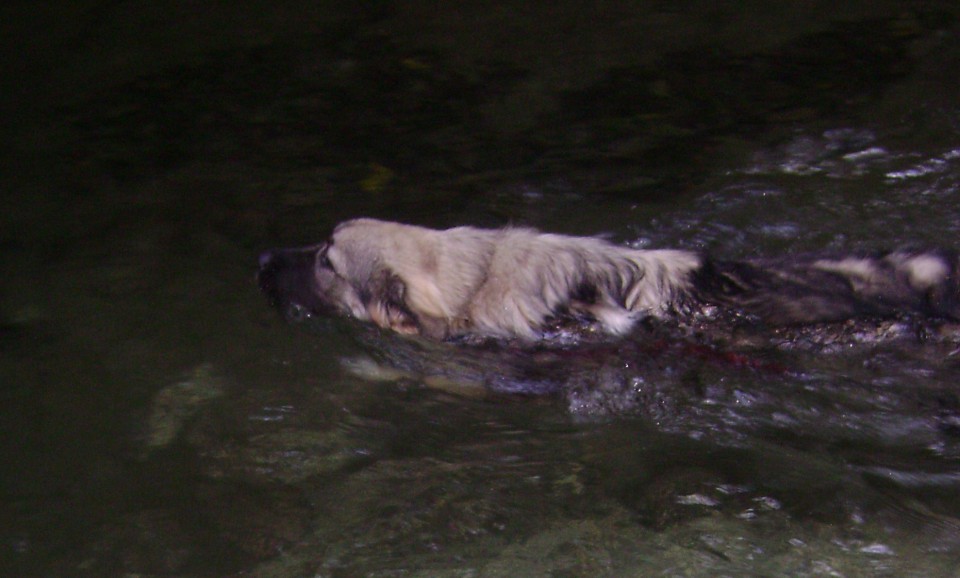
387 305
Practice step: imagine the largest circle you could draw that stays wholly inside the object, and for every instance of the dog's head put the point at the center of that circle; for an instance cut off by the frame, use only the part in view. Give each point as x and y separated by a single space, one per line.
348 276
301 282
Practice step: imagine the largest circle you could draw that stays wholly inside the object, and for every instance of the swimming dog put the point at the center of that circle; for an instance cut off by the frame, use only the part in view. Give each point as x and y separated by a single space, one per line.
513 282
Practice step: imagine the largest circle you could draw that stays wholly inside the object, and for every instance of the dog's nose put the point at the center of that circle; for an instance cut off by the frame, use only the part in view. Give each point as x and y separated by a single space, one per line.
265 258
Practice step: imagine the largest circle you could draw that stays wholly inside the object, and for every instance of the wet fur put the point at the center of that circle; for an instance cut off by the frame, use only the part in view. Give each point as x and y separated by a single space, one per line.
513 282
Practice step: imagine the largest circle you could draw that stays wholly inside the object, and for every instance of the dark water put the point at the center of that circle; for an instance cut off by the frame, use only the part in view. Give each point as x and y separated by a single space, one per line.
157 418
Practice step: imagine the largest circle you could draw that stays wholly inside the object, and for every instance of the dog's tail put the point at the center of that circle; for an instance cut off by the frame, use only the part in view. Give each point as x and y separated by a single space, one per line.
821 290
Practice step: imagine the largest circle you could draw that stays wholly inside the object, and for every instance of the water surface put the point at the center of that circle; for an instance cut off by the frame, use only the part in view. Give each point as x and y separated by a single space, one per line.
159 419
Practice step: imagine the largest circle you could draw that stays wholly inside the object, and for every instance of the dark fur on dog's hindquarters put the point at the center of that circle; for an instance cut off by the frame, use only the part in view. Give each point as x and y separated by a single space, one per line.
816 290
513 282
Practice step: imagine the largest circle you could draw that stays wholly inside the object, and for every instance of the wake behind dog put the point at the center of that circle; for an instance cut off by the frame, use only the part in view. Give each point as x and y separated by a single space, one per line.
517 283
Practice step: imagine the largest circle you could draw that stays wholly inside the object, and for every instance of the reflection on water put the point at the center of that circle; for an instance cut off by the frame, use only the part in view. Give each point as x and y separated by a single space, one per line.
159 419
867 200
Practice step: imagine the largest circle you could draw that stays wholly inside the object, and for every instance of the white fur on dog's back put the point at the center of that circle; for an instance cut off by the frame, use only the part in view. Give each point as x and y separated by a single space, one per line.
508 282
531 275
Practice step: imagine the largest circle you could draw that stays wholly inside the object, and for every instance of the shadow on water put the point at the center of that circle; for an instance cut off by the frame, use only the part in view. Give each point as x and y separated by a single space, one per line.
158 419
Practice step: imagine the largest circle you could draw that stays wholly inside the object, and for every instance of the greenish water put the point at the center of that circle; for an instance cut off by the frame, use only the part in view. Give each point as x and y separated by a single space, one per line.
157 418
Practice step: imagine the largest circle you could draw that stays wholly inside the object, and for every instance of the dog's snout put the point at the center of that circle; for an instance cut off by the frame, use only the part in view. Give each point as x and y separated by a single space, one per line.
265 259
276 259
285 277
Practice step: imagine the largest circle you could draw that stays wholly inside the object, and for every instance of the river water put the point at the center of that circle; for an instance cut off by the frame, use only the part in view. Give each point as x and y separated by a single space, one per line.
158 418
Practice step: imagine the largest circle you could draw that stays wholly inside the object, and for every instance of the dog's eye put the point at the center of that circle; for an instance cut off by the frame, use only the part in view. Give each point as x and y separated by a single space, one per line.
322 259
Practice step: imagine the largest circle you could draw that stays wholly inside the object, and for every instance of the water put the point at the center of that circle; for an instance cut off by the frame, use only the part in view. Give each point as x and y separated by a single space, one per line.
158 418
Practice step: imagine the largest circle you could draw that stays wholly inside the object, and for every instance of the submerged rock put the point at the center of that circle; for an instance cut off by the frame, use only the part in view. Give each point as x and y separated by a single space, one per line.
176 404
